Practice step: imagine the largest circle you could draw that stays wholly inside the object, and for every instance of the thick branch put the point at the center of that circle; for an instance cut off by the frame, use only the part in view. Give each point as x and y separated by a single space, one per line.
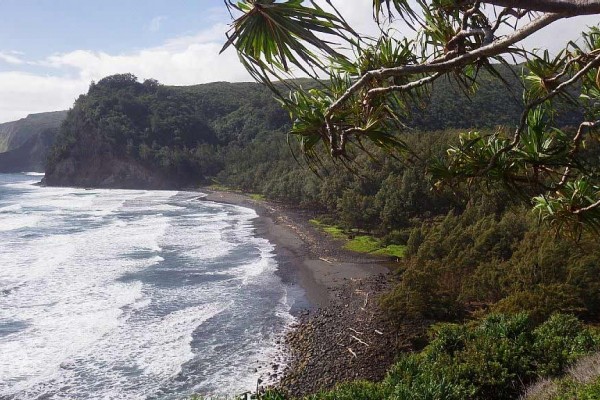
571 7
495 48
588 208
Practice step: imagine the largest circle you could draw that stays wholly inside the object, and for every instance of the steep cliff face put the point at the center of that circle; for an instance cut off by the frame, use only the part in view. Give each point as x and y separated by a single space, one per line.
92 162
30 156
16 133
24 144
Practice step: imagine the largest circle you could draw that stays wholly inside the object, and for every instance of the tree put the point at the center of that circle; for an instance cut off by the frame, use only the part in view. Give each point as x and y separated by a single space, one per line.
366 88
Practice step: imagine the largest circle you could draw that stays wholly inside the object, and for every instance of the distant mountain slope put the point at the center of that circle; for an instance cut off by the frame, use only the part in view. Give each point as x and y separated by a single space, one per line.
16 133
31 155
24 144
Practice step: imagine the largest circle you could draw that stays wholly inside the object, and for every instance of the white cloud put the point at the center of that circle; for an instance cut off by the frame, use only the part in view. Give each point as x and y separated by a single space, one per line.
24 93
156 22
182 61
11 58
185 60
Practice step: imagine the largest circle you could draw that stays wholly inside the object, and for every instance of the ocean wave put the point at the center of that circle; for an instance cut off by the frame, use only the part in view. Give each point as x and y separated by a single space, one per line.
133 293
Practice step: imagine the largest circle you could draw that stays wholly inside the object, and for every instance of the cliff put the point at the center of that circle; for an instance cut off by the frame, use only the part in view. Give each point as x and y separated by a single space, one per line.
24 144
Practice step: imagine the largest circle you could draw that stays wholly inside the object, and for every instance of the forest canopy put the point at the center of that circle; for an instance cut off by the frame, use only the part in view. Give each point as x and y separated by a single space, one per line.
369 94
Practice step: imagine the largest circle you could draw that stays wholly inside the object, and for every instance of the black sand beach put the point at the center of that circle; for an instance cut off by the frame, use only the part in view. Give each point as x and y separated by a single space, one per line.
341 333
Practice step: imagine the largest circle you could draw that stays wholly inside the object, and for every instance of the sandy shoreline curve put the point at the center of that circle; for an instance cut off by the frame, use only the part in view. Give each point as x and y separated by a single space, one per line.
306 256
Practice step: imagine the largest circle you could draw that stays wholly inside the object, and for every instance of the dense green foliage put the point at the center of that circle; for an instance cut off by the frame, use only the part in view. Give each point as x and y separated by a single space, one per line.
236 131
177 131
505 261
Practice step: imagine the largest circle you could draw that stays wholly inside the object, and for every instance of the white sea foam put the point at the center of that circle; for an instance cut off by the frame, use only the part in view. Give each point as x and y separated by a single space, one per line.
111 292
10 208
17 221
34 173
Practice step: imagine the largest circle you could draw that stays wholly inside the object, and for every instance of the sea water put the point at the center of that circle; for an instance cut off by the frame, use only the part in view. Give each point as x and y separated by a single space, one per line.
132 294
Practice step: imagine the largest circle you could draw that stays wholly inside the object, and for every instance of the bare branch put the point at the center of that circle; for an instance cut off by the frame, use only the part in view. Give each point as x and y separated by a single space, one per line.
588 208
571 7
403 88
579 135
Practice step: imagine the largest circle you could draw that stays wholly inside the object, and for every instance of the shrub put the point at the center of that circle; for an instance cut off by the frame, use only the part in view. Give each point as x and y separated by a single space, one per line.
490 359
559 342
354 390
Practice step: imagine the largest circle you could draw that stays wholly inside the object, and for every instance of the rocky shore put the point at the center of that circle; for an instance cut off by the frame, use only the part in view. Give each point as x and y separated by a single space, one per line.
341 333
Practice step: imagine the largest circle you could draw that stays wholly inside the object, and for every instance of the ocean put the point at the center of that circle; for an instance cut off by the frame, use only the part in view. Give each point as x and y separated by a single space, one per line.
132 294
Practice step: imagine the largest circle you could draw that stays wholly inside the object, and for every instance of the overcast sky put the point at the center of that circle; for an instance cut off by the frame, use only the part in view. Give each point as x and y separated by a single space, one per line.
50 50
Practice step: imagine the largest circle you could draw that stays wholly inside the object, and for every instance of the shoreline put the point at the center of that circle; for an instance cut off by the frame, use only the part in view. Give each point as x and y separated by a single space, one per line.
341 333
306 256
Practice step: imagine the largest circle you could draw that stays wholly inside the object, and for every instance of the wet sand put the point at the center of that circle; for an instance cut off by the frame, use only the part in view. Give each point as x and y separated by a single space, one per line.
306 256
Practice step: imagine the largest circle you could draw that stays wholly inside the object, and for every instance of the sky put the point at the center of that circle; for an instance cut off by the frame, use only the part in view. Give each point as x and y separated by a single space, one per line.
50 50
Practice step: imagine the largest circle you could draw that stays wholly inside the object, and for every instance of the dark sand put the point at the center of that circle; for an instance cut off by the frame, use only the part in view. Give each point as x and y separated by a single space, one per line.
306 256
342 334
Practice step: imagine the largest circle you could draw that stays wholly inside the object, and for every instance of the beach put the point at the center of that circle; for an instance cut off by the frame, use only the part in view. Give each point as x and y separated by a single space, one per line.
341 334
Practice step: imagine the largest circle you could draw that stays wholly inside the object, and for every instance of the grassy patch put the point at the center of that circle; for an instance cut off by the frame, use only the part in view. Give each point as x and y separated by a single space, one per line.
369 244
333 230
256 196
393 250
363 244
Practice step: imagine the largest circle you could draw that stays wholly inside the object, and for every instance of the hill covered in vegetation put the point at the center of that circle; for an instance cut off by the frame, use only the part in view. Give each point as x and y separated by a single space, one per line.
124 133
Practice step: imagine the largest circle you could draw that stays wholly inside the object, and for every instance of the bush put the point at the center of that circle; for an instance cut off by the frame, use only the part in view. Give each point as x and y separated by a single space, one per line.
541 301
559 342
355 390
490 359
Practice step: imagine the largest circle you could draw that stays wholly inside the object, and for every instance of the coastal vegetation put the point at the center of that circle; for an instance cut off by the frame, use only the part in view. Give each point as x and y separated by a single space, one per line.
477 180
434 179
489 359
461 254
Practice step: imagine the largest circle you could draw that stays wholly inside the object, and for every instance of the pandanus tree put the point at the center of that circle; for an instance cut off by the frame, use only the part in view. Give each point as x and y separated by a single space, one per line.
365 88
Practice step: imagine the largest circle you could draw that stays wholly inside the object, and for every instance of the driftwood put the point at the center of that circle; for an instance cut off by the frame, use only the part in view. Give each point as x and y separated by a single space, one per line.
351 352
359 340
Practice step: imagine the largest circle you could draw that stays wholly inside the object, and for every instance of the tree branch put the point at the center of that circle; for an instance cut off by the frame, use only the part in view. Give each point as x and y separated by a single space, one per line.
492 49
588 208
403 88
571 7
